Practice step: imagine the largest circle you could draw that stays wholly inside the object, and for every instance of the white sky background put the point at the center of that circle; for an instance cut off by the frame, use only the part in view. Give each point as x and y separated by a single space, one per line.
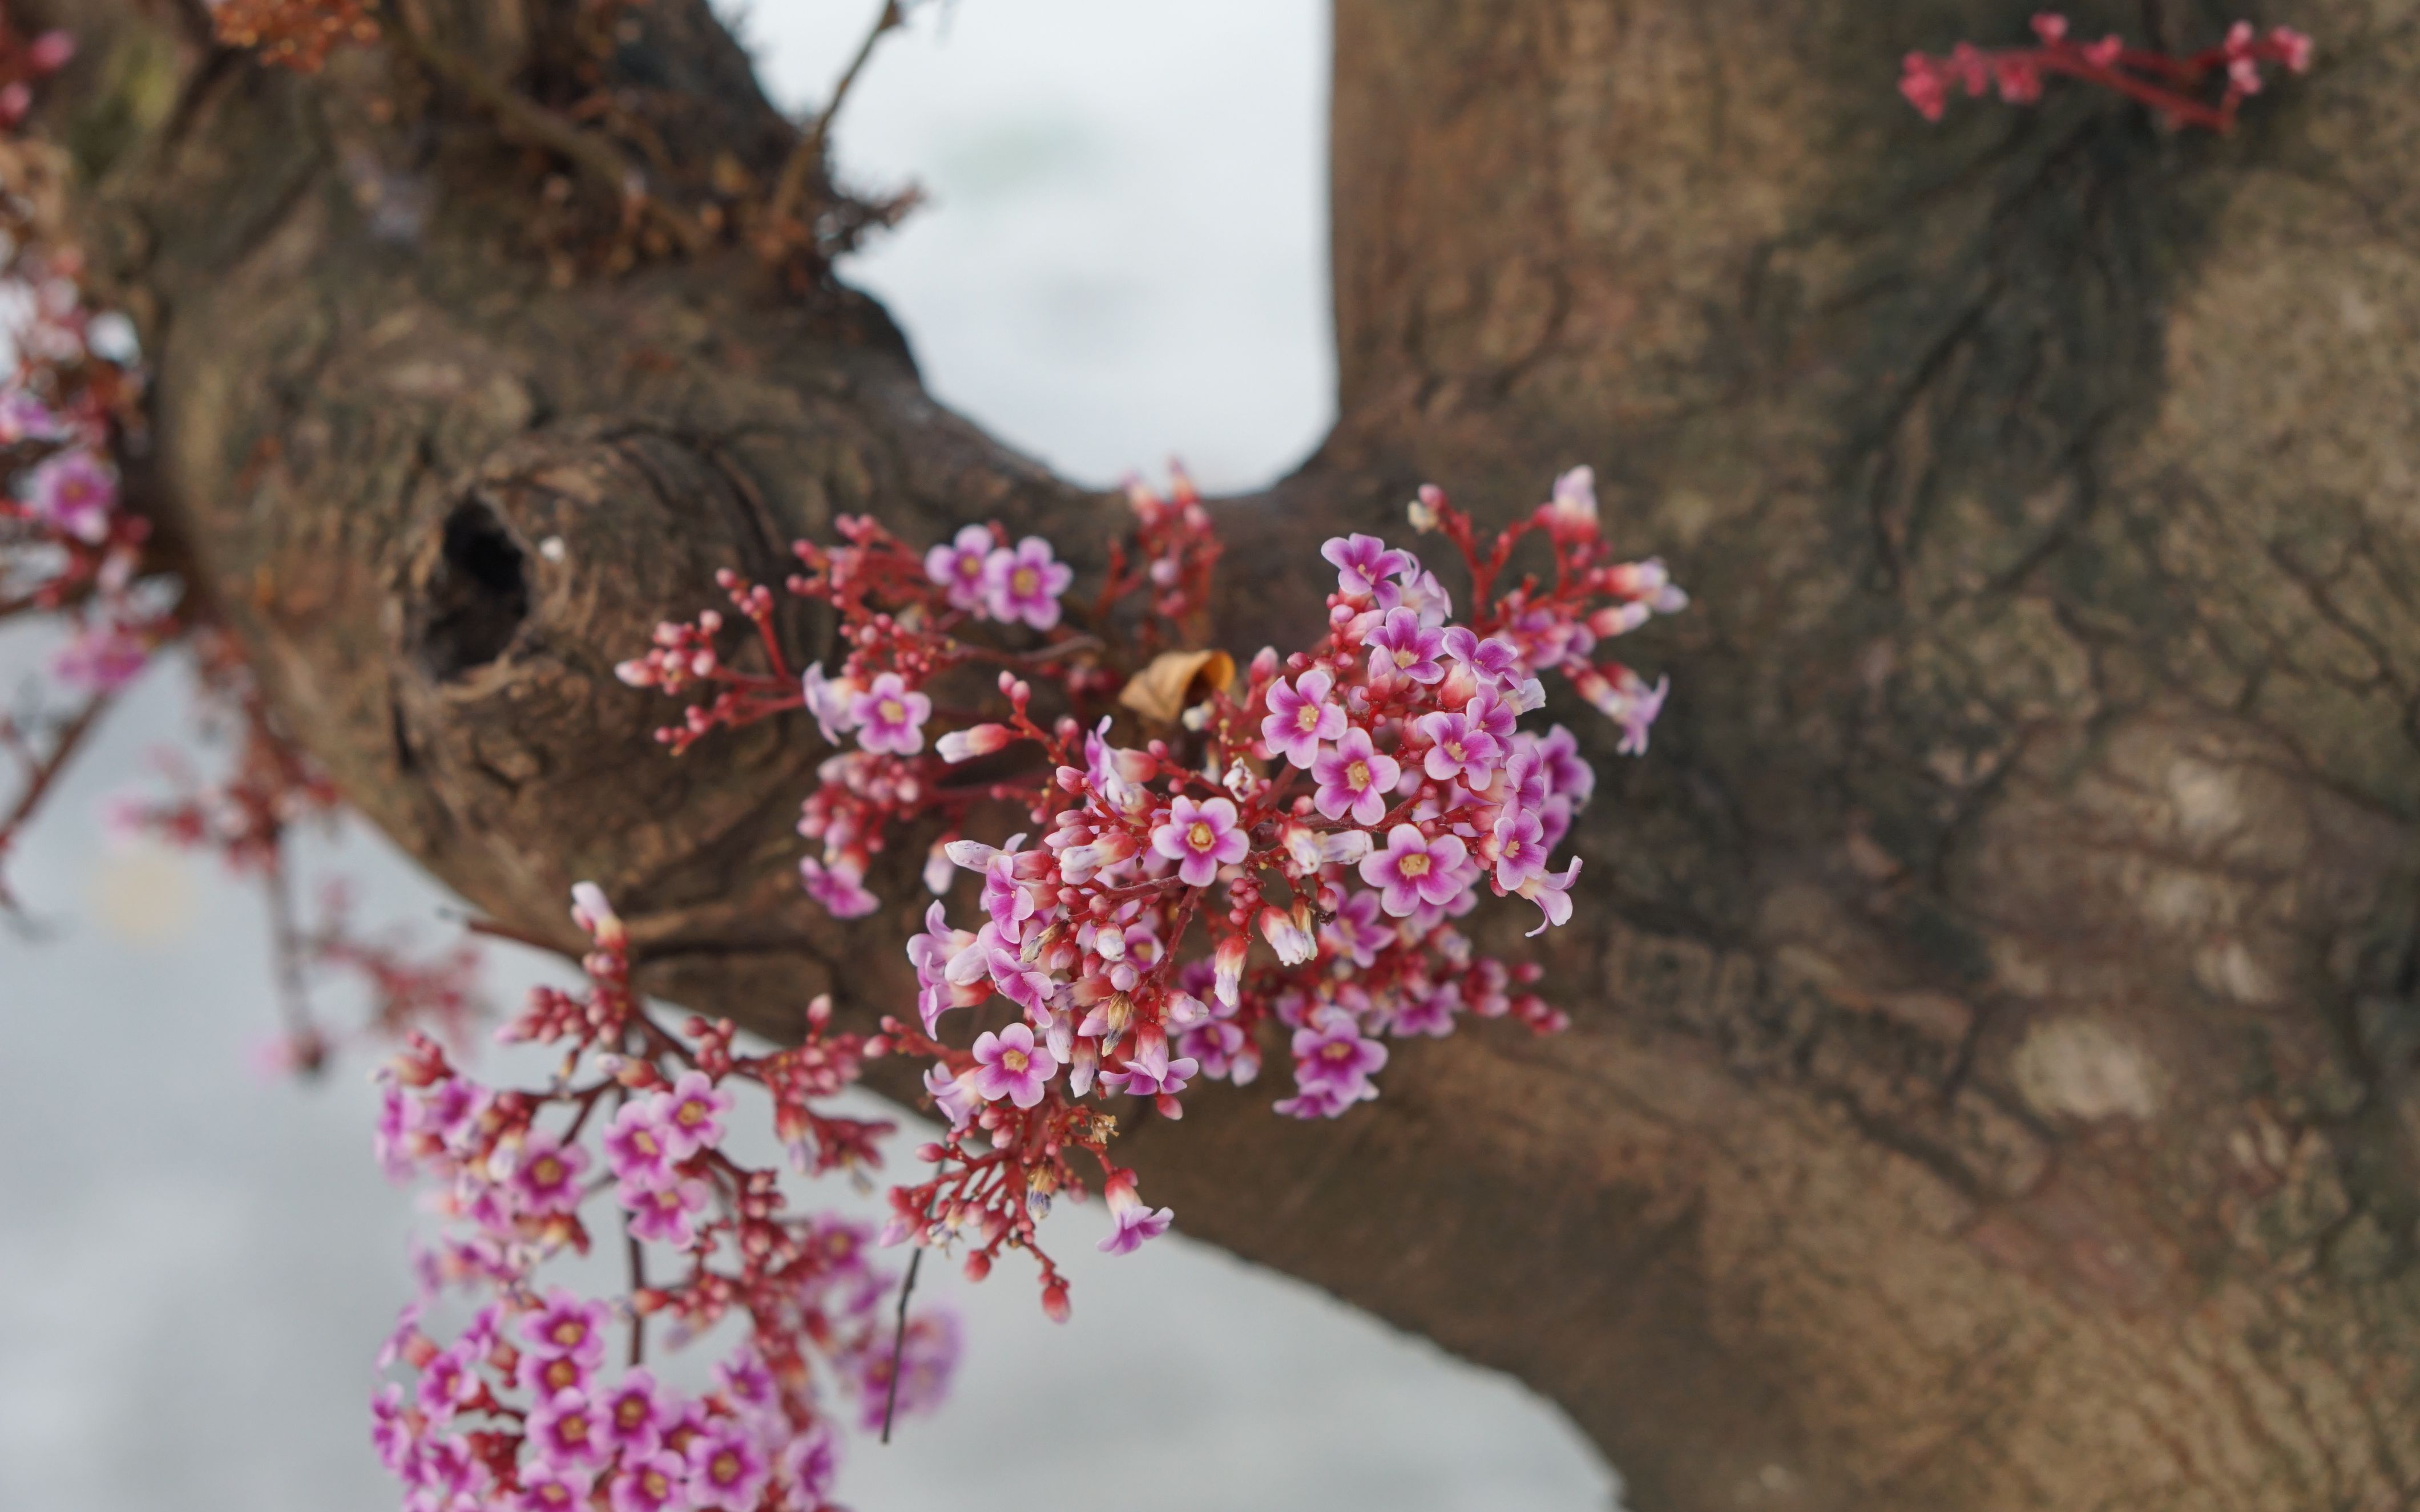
1124 259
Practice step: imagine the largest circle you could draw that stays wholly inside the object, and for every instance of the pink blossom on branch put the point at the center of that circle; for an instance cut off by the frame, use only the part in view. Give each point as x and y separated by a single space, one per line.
2165 82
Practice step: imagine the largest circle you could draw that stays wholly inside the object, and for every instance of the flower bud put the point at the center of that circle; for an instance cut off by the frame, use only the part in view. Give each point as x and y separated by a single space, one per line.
596 917
1054 1303
978 740
1291 942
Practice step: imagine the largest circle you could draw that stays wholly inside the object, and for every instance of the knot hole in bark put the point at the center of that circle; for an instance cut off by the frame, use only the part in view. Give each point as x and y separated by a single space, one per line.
477 595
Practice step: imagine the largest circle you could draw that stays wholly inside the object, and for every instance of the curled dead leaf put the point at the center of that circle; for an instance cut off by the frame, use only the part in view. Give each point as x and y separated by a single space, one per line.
1174 679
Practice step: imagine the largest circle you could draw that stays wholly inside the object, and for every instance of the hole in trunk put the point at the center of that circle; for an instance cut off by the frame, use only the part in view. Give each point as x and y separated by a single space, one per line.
479 595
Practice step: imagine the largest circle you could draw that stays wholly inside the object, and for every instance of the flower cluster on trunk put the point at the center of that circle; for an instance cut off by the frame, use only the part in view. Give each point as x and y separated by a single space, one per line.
1213 864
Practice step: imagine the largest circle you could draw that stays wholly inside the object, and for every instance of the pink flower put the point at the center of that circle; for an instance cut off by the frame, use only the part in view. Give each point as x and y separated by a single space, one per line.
545 1489
1493 660
958 566
543 1375
1025 584
566 1432
726 1468
1403 645
633 1413
638 1146
889 717
448 1383
1026 985
1567 773
667 1214
1337 1059
1415 869
546 1178
75 491
1430 1013
1013 1066
829 702
1353 778
1356 929
1456 750
1135 1222
955 1096
810 1464
1361 561
652 1481
568 1326
1552 894
1149 1072
1200 838
748 1382
840 888
1520 848
690 1115
929 1355
931 952
1301 716
101 658
393 1429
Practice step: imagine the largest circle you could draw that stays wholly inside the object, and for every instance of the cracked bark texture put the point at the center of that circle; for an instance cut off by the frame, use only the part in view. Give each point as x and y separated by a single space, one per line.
1992 1077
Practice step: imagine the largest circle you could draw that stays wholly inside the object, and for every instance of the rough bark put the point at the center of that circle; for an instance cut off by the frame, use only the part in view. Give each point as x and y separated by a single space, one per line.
1995 1010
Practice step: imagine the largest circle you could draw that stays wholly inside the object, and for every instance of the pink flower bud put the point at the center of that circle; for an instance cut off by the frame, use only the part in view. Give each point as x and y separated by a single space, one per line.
982 740
1291 942
1229 967
1054 1303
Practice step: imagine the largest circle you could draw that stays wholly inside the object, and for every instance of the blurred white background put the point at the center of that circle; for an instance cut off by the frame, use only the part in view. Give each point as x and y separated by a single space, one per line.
1123 259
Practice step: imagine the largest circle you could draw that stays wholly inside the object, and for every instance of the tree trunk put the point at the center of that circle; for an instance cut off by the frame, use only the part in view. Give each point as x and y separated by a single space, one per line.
1994 1012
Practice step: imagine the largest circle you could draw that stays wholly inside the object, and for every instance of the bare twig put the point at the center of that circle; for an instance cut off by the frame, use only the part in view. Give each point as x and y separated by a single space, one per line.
522 116
899 1343
791 189
42 771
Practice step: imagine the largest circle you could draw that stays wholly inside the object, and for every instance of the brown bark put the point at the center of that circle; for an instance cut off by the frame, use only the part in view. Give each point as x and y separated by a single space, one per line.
1996 1011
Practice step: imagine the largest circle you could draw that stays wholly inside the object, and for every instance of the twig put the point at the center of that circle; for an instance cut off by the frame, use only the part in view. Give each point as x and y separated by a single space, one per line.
791 187
519 114
42 773
638 1284
899 1343
285 944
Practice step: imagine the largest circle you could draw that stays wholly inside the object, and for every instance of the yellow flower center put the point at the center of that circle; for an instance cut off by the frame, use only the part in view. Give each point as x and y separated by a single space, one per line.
548 1170
573 1430
690 1115
725 1468
644 1142
1358 774
630 1412
1338 1051
892 710
1022 581
1014 1059
1306 717
656 1486
570 1332
1200 836
1414 865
